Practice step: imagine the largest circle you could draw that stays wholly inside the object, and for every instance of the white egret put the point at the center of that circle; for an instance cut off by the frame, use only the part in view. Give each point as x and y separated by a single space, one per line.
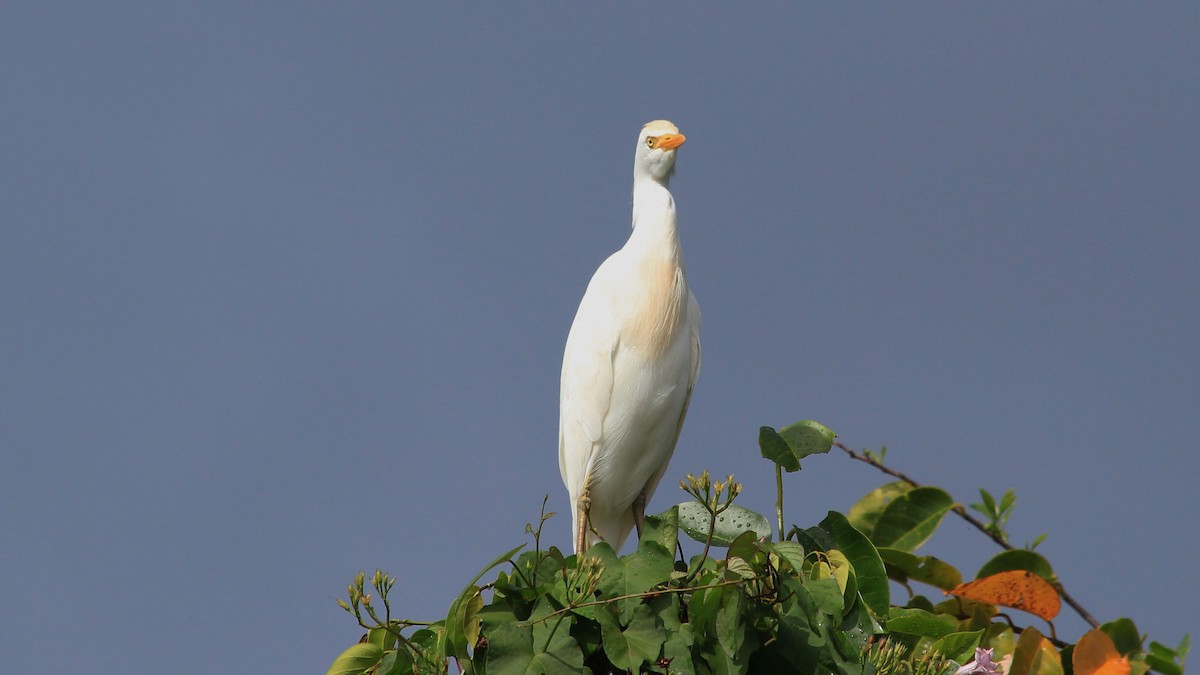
631 360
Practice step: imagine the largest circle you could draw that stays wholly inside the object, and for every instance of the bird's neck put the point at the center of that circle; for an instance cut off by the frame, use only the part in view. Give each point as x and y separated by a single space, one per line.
654 218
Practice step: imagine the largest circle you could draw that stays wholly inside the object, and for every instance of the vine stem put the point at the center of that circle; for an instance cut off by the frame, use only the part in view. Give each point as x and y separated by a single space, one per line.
646 594
779 498
962 513
396 631
554 630
712 526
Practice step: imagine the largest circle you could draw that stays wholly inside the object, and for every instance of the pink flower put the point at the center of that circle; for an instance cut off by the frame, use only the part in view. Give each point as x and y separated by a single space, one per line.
984 665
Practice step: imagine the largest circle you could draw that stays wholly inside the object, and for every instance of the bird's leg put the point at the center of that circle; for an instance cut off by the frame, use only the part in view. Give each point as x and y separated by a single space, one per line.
639 513
583 505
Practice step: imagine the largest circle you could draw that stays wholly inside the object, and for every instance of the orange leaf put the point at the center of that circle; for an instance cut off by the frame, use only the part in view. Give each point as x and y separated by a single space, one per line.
1095 654
1018 589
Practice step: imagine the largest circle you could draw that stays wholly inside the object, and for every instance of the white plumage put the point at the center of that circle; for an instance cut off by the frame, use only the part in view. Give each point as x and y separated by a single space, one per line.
631 360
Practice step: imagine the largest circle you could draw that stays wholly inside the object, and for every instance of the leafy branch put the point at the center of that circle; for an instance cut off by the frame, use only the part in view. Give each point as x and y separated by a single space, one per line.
816 601
993 532
632 596
708 494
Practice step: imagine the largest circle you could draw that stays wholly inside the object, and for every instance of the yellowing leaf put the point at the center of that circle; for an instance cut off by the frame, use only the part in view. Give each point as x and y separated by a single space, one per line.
841 568
1095 654
1035 655
1018 589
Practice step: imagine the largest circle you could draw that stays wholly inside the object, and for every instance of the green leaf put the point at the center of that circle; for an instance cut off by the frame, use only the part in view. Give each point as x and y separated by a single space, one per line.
382 637
807 437
454 642
1000 638
678 644
544 644
469 611
694 520
912 621
678 649
1007 501
989 502
827 595
866 511
1159 649
1166 660
1124 635
397 662
855 632
427 642
733 643
813 539
512 651
746 547
903 566
920 602
635 573
868 567
791 552
730 632
356 660
773 447
805 635
586 632
631 646
1017 559
645 635
910 519
958 647
1164 666
500 611
662 529
702 611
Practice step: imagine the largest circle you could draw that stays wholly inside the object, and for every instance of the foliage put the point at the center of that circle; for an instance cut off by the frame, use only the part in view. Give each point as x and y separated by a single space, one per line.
818 600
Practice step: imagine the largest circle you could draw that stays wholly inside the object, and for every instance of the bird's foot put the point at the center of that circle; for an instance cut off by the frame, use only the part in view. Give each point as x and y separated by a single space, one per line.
639 514
583 506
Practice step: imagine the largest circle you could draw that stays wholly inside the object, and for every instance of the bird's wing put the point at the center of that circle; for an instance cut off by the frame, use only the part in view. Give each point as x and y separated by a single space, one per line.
693 329
587 382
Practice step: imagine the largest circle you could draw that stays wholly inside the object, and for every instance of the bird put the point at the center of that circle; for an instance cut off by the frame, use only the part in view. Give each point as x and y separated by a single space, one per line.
631 360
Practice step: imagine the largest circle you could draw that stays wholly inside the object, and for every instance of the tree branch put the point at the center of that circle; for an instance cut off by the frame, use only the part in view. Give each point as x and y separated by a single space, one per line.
962 513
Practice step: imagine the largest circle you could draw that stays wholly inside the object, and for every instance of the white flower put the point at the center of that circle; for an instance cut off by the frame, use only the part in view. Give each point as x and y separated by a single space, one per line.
984 665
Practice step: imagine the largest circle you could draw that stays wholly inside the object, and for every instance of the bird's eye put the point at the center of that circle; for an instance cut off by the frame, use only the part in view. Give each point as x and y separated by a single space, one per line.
650 141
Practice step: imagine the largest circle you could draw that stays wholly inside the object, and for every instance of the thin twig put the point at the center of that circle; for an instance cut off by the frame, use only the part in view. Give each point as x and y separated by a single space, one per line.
956 508
645 594
962 513
712 530
779 498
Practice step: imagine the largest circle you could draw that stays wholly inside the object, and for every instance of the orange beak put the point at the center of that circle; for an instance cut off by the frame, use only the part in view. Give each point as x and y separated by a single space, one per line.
669 141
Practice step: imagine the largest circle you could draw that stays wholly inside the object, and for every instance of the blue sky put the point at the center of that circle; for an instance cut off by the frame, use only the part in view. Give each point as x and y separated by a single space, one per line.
284 289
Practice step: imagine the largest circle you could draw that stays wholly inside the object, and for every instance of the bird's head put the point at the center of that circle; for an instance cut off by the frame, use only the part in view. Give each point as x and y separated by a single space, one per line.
655 156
